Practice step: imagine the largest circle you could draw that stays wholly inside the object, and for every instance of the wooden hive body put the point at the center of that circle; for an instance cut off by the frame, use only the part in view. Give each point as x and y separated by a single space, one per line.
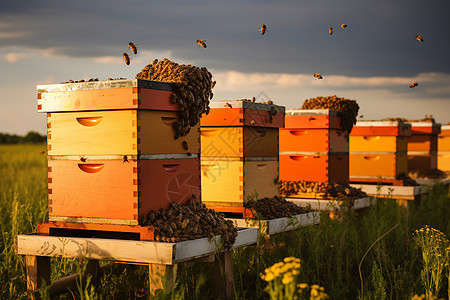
112 153
239 153
378 150
423 146
313 147
444 148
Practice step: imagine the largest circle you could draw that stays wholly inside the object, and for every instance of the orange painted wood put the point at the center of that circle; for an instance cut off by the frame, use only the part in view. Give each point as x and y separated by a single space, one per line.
381 128
313 140
246 213
241 117
117 132
444 139
105 95
422 162
444 161
376 164
378 143
239 141
425 128
320 168
116 191
313 121
423 142
230 182
145 232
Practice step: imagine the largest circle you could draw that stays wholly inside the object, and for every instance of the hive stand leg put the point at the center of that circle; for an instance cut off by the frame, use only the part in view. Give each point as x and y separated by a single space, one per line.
38 273
223 276
161 277
93 269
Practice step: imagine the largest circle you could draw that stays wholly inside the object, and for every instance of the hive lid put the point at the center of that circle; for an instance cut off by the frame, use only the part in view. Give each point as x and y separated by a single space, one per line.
382 128
245 104
423 127
312 119
311 112
105 95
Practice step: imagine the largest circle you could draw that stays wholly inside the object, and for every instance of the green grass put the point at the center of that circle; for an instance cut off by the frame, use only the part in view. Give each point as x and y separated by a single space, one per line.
330 252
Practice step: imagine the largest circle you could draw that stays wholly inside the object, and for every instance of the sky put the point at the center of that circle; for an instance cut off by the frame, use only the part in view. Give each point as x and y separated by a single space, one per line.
373 60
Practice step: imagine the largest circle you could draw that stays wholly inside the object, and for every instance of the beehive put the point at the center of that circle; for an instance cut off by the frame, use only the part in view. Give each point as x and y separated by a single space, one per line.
422 145
112 153
444 148
378 150
313 147
239 152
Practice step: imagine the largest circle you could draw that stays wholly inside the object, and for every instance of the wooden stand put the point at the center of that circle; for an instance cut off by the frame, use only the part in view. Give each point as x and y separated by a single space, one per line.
162 258
404 194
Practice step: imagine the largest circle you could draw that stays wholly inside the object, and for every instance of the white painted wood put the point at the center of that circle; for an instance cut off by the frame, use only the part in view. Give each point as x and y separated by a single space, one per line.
381 124
125 250
384 190
432 181
331 205
245 104
309 112
280 224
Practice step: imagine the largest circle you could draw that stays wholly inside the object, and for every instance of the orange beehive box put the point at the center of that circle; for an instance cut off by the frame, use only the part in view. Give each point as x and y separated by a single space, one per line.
312 118
113 191
422 161
240 113
314 167
229 182
239 141
425 127
313 140
378 144
444 161
426 143
125 132
381 128
444 139
371 166
105 95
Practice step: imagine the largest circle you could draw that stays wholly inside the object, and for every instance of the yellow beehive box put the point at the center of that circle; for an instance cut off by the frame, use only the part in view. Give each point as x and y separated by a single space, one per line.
117 132
378 143
229 182
239 141
370 166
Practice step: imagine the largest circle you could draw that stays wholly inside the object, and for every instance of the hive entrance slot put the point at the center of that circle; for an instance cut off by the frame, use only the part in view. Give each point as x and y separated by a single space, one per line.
68 232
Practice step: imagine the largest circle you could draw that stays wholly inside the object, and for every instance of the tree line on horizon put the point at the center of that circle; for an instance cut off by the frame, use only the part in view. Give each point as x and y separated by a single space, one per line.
31 137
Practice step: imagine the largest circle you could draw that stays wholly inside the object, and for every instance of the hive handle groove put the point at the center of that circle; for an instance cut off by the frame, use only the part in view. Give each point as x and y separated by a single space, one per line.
168 120
89 121
171 168
91 168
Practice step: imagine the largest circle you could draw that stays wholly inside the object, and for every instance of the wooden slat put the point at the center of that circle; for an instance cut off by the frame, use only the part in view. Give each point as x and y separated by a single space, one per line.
385 190
331 205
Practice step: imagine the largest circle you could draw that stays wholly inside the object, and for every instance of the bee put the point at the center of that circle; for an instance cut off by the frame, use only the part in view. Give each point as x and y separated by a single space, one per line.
42 152
253 99
228 105
125 159
252 122
132 47
213 84
343 25
270 102
83 159
330 31
419 38
263 29
412 85
361 116
126 58
201 43
318 76
185 145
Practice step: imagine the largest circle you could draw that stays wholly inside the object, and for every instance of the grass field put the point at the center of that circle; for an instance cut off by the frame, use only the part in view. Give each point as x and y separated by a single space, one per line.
331 254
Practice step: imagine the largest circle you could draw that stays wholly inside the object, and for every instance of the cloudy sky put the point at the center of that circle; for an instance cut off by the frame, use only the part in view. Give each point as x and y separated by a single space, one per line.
373 60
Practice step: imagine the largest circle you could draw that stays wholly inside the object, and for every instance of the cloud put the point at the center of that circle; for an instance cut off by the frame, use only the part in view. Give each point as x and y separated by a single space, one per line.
14 57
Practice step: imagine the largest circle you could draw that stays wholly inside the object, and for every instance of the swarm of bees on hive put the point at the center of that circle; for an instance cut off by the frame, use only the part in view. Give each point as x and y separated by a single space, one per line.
347 109
406 180
192 90
272 208
428 174
182 222
341 191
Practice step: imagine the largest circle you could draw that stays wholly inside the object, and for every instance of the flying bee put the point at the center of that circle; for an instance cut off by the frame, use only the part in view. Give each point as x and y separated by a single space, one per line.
228 105
412 85
201 43
343 25
132 47
185 145
263 29
318 76
126 58
83 159
330 31
213 84
419 38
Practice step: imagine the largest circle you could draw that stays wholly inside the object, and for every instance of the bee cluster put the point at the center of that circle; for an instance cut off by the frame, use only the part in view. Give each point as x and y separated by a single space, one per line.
192 90
182 222
272 208
428 174
341 191
347 109
407 180
81 80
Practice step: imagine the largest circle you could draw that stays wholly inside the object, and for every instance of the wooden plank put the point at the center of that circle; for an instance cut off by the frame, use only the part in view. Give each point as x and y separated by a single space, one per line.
381 128
280 224
331 205
161 277
146 252
394 191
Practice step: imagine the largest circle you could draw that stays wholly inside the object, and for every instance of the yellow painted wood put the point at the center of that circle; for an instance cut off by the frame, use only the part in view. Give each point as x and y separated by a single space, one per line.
444 161
232 182
118 132
377 144
239 141
373 165
444 142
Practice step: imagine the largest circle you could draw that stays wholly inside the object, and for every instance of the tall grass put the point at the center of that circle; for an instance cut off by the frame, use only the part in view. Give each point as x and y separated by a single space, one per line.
330 252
